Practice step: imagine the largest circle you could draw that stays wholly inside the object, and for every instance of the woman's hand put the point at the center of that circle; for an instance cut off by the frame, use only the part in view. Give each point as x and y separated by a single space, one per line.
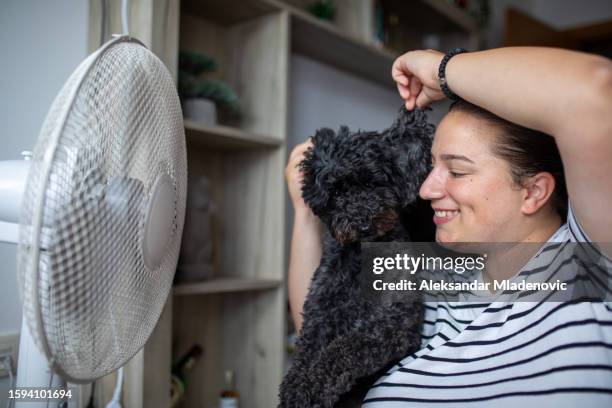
416 75
295 177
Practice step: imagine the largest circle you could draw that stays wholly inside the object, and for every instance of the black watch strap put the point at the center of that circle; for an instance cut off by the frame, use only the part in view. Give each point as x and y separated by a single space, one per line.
442 73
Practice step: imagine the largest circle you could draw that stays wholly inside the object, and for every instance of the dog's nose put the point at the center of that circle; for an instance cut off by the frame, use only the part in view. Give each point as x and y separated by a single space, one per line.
346 236
384 222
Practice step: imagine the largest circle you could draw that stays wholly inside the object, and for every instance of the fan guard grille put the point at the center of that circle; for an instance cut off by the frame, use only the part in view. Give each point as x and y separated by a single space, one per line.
116 128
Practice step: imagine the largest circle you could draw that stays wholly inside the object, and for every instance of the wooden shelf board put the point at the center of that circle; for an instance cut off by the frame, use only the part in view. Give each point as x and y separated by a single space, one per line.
325 42
228 12
226 138
225 285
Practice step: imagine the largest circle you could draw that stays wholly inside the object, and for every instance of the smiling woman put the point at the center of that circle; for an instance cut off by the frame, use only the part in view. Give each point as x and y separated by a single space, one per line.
531 122
498 176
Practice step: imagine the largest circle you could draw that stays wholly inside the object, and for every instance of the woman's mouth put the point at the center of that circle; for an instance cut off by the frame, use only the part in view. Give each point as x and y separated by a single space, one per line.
444 216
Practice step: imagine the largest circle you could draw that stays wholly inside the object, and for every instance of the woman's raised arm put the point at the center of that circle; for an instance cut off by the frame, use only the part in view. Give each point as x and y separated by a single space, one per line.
563 93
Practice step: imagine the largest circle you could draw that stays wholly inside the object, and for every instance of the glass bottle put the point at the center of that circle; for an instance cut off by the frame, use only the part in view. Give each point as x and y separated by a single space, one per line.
229 395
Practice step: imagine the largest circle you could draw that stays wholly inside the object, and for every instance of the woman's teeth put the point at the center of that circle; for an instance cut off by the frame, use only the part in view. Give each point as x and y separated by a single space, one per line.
444 214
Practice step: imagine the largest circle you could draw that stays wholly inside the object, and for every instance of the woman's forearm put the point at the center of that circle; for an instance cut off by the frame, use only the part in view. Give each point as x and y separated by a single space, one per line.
548 89
303 260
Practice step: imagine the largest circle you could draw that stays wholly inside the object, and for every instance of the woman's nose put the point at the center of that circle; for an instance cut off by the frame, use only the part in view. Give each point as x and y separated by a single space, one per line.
433 186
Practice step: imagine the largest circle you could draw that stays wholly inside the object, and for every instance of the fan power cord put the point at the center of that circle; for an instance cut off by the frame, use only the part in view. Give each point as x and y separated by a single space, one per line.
7 362
116 401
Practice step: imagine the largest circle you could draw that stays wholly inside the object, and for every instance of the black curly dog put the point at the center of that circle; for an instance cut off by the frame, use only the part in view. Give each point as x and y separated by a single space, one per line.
364 187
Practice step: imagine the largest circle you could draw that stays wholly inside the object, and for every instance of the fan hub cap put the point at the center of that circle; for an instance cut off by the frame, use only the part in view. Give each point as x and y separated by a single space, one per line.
159 221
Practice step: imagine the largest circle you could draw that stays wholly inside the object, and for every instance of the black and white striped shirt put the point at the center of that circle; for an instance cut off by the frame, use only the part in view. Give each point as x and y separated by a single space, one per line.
510 354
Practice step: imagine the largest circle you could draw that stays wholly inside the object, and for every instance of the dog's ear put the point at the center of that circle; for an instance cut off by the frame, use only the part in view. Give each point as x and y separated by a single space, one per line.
413 121
317 168
411 136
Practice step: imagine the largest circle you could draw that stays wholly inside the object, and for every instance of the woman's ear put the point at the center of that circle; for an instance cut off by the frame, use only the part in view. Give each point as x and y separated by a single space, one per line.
537 191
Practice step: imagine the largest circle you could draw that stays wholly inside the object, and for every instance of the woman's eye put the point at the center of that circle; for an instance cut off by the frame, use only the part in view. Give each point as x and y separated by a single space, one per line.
454 174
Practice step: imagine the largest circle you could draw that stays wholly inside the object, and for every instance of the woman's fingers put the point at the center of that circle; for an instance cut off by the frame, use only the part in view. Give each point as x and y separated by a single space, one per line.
293 173
298 151
399 72
427 96
416 88
409 86
422 100
399 75
402 79
416 76
404 91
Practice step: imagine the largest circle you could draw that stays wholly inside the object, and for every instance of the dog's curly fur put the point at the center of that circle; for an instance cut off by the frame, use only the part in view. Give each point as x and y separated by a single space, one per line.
364 187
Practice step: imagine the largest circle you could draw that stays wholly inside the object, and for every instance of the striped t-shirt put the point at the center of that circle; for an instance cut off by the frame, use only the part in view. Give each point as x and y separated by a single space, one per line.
509 354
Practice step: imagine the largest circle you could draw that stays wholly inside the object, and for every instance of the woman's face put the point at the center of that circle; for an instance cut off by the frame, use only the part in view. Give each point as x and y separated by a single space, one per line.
470 189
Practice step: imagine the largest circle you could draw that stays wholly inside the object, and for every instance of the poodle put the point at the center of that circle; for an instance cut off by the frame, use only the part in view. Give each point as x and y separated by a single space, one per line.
364 187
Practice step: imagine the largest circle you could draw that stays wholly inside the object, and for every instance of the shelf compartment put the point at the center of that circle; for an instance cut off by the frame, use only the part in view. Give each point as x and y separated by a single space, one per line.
225 285
251 58
447 23
226 138
448 16
327 43
243 332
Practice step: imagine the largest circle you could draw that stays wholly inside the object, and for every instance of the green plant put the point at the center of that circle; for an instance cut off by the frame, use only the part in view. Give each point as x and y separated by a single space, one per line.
324 9
192 68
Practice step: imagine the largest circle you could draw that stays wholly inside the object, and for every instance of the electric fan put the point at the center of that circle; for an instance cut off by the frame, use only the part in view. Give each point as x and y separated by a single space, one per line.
100 216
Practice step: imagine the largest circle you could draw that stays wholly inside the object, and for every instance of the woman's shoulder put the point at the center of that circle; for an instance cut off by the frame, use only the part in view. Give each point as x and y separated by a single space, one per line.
582 243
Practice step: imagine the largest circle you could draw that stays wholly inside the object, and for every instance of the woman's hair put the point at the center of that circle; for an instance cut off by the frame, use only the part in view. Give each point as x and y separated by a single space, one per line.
527 151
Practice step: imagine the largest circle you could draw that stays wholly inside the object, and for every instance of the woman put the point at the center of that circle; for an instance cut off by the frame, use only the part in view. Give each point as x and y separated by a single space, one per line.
497 176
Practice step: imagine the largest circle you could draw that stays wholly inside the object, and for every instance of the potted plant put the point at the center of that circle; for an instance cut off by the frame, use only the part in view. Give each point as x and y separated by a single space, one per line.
200 96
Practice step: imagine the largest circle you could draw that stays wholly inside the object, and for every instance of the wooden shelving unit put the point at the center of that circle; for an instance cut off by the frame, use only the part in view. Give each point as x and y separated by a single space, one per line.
239 315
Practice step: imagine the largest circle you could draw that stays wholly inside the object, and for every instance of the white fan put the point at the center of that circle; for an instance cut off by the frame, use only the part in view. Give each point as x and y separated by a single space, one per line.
100 216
